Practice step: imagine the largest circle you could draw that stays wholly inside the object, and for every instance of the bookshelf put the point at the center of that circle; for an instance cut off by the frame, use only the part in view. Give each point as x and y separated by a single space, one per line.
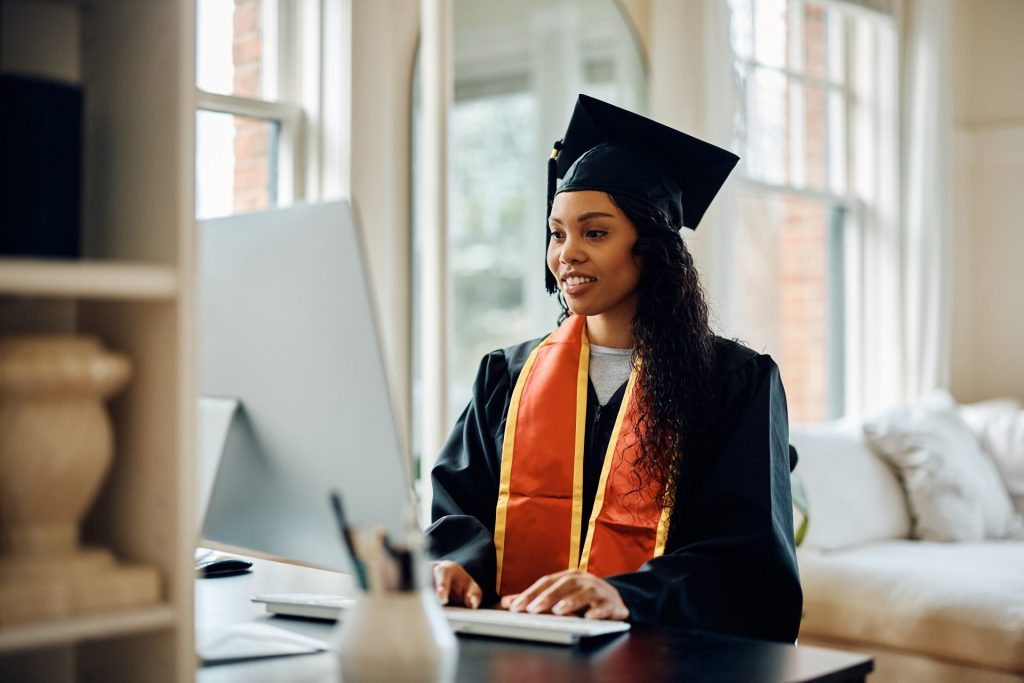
88 280
133 289
76 629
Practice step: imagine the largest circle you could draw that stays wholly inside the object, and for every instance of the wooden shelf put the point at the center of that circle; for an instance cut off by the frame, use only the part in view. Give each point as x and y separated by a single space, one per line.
136 63
74 629
87 279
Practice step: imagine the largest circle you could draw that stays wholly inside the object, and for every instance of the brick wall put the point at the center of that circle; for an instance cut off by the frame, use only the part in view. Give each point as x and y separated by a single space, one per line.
815 98
252 136
803 292
780 285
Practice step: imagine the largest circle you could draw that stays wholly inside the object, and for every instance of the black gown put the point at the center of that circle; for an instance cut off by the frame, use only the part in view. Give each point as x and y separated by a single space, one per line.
729 564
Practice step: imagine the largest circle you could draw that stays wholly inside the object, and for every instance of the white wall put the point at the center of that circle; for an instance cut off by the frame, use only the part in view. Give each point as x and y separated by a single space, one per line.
988 268
683 56
384 41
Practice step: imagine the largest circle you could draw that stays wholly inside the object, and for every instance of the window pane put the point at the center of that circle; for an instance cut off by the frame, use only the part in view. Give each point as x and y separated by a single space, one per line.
236 163
781 292
490 204
793 131
836 45
767 110
814 100
837 141
742 28
816 39
235 47
770 29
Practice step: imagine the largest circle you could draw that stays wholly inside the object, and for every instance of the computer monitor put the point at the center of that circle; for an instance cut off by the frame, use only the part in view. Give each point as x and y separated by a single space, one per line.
295 394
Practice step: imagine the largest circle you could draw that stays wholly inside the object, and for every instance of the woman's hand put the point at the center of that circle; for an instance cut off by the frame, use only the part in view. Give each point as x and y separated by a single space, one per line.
455 586
570 592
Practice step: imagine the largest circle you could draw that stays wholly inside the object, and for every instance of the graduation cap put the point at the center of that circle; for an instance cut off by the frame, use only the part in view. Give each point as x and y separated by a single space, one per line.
611 149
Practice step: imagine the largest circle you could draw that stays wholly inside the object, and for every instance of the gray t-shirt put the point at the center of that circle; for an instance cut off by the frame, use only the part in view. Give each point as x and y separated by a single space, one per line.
609 370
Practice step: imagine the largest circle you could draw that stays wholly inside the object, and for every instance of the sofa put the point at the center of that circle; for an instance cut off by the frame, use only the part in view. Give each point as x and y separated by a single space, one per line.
927 610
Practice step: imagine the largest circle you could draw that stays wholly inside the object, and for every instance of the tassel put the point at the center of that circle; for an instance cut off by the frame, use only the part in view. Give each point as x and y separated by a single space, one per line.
549 280
553 174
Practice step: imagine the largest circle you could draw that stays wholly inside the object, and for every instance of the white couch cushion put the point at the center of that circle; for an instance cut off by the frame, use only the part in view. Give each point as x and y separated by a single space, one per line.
852 496
954 490
956 601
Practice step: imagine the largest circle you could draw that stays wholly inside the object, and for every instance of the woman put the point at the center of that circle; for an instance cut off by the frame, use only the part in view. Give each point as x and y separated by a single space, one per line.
631 465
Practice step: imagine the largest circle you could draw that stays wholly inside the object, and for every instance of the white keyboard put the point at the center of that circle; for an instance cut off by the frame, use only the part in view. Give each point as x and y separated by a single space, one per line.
546 628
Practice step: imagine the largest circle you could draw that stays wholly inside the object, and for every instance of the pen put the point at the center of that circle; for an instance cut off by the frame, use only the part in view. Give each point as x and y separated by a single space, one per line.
346 536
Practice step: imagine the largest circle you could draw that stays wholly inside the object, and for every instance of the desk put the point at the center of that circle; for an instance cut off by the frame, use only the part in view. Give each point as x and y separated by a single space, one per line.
644 654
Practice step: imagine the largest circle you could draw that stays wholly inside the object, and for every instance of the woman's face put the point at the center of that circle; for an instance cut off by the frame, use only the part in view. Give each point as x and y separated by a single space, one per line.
591 254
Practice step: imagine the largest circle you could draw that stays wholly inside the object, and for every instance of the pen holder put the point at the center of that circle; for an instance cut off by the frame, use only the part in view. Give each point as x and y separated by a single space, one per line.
395 635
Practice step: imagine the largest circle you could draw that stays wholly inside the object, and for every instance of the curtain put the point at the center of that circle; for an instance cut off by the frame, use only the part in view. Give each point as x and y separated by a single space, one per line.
900 292
926 207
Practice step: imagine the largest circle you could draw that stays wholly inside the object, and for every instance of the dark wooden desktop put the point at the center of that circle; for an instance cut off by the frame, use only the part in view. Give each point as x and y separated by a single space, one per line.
643 654
656 655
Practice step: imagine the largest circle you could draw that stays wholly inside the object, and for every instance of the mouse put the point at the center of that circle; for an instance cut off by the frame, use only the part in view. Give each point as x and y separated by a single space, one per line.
213 565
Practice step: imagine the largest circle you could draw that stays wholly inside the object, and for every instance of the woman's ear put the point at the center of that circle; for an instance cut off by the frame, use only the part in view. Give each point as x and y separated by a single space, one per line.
638 257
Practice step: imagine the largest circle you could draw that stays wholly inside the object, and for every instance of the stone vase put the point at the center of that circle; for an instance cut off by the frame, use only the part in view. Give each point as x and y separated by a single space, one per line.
56 448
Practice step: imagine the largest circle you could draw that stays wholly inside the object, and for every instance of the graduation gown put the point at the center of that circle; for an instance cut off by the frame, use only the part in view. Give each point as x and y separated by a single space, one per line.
729 563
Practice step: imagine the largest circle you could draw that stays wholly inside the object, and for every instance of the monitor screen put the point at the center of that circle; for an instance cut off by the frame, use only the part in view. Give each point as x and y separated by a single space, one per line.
295 395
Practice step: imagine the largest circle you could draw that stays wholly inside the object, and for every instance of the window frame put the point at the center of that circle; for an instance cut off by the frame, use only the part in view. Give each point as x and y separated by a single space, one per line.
295 98
290 119
842 207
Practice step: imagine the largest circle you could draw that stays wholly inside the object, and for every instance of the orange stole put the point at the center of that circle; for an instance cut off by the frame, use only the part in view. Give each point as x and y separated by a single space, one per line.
540 494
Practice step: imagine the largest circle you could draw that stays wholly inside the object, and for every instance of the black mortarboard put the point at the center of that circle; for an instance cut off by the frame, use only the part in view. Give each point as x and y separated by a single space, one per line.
616 151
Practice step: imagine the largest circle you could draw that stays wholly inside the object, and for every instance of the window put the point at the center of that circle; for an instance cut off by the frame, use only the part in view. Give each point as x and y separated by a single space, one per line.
516 75
490 262
795 68
251 90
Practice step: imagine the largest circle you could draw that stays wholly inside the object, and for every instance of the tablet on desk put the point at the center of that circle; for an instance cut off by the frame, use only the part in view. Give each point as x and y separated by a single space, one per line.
540 628
245 642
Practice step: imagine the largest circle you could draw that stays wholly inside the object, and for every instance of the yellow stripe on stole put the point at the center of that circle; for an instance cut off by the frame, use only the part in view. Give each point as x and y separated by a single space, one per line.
582 376
507 447
663 523
662 538
606 468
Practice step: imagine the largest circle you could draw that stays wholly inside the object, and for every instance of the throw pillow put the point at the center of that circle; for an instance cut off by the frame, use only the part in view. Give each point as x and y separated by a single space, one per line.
954 490
1000 428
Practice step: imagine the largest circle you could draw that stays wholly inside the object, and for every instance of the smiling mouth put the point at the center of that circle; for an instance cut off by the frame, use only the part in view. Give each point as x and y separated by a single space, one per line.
578 280
577 285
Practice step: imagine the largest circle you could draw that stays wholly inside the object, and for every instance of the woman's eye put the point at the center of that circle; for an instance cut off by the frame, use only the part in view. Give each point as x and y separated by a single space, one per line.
557 234
596 234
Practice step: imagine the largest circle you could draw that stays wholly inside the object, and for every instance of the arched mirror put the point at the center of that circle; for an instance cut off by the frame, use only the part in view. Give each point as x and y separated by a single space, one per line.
518 69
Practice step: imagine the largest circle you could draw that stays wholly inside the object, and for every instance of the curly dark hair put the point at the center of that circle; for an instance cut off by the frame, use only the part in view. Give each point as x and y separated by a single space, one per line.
673 339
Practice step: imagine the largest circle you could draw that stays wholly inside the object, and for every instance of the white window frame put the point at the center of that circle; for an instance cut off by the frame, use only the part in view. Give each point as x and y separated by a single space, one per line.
845 89
289 117
294 77
845 204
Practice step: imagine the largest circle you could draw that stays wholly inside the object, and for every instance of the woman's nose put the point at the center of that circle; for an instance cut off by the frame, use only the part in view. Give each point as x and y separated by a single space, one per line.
572 251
